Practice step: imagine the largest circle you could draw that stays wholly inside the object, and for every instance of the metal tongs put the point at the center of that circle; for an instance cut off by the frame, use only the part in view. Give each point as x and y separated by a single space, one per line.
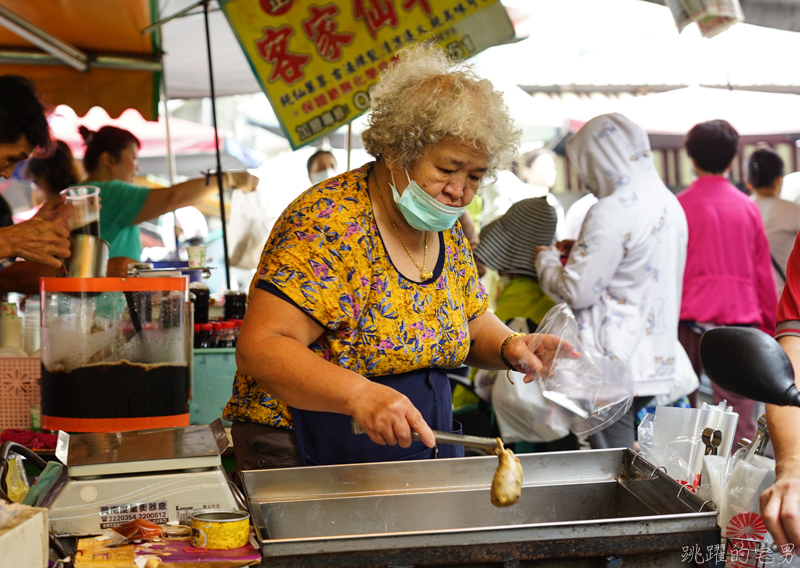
760 441
445 438
712 440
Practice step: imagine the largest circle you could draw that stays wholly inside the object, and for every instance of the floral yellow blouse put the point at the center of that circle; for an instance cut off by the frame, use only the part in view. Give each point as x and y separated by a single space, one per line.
326 255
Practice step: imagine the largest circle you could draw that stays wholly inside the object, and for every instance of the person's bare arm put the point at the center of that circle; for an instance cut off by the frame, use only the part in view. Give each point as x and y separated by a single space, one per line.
780 504
273 349
192 192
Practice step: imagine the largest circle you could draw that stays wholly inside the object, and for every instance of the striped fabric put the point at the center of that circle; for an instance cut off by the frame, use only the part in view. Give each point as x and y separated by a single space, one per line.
507 243
790 327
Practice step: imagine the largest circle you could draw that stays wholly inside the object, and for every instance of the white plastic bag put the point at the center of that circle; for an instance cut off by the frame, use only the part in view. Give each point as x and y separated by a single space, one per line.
523 415
591 395
740 510
522 412
249 227
673 438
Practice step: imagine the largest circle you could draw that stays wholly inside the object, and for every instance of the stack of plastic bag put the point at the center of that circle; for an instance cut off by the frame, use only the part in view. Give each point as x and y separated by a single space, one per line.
579 394
673 438
735 486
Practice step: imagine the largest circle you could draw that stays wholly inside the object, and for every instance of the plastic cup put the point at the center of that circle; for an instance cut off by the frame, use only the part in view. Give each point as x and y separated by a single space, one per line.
197 256
85 218
10 326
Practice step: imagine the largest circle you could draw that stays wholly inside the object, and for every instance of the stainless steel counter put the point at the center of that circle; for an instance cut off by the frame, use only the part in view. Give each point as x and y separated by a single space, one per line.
574 506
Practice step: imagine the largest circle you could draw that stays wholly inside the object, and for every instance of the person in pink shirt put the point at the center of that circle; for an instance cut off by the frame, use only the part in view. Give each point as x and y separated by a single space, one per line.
728 278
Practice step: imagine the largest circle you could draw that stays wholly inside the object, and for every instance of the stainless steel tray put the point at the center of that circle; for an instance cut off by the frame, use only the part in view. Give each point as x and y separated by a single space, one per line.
444 504
139 445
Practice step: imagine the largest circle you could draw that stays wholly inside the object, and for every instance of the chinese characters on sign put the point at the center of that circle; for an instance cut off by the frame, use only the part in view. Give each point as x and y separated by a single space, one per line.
316 61
739 554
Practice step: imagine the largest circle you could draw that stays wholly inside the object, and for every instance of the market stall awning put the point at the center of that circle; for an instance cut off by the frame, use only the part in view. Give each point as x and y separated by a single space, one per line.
192 143
780 14
187 137
667 117
122 65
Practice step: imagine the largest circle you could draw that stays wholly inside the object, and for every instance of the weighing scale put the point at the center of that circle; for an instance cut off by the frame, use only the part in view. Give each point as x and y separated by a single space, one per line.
160 475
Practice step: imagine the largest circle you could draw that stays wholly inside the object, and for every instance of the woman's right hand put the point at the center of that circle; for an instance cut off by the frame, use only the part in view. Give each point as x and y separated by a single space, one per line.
388 417
780 506
37 240
565 247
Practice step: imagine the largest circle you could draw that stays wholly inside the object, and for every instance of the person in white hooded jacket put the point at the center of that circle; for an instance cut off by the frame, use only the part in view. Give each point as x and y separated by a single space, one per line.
624 275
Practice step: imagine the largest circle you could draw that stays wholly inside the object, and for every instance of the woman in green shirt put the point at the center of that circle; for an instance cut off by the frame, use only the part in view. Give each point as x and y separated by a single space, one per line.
111 162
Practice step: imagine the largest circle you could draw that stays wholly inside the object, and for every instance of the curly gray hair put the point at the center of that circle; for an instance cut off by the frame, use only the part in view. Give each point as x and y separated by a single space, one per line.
420 100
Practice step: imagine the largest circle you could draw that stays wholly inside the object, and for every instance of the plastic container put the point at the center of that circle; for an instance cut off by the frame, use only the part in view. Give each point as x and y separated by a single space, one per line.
235 304
10 326
216 333
115 353
32 326
201 301
237 330
227 337
19 382
206 330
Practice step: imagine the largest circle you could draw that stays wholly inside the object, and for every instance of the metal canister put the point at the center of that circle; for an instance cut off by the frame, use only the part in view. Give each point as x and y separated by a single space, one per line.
220 530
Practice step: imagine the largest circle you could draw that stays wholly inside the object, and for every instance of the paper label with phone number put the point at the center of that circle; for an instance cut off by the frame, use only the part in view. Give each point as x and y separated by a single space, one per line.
114 515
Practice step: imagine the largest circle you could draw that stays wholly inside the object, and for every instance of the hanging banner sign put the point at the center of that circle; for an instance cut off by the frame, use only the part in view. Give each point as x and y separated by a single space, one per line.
316 60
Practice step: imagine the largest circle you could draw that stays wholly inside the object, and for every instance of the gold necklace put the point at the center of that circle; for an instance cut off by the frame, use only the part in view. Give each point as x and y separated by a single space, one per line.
424 274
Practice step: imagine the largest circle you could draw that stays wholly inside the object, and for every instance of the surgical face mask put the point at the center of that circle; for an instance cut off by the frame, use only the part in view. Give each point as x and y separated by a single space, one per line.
321 176
421 210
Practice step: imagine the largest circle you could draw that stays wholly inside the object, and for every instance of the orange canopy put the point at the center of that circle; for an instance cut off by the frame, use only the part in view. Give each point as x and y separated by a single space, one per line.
100 29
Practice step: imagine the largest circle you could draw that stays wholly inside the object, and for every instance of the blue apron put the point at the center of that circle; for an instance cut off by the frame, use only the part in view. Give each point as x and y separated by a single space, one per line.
325 438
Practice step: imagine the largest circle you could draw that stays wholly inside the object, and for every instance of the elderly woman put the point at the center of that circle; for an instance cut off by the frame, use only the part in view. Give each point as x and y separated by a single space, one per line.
367 291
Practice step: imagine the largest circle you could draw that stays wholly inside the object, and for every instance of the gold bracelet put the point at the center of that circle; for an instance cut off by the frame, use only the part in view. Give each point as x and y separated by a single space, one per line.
503 349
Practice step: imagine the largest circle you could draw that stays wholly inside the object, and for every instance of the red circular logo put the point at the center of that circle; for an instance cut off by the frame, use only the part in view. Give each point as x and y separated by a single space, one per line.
276 7
745 529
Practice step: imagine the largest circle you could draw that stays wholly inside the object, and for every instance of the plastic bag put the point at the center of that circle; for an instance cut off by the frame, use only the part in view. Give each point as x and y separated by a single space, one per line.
673 438
713 478
591 395
249 227
522 412
16 480
740 510
138 529
483 383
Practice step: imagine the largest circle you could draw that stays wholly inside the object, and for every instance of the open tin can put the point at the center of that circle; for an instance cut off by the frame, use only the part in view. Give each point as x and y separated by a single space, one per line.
220 530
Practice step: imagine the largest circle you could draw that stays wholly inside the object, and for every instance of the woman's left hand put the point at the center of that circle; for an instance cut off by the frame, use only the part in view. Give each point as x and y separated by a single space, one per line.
244 181
536 353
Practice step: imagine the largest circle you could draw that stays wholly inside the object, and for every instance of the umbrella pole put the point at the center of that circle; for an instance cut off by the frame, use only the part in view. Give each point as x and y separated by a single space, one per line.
170 159
216 147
